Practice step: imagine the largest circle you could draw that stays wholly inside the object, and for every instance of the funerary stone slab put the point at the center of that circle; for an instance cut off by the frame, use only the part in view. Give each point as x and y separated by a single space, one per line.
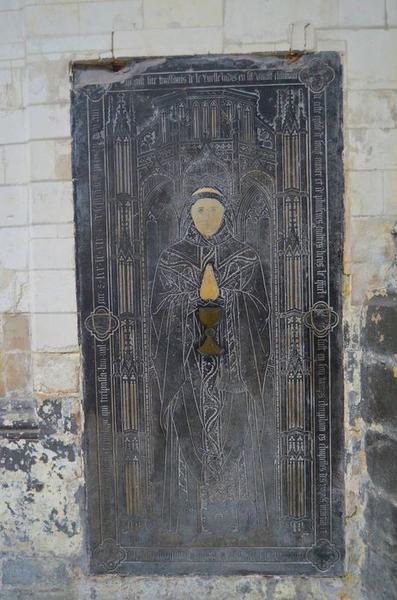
209 222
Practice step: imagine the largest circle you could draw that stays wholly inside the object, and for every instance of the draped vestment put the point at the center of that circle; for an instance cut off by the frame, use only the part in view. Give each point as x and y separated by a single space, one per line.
212 407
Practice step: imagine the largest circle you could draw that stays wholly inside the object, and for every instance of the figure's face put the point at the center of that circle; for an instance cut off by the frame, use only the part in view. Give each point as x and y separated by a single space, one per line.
207 215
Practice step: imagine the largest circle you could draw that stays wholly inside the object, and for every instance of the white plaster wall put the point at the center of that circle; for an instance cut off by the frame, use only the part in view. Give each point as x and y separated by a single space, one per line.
38 41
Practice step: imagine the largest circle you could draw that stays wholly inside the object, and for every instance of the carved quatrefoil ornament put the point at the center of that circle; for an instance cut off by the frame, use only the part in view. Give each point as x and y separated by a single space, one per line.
101 323
321 319
317 75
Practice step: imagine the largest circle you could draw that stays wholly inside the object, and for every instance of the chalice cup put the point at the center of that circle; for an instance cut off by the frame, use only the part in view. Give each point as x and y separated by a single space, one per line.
209 317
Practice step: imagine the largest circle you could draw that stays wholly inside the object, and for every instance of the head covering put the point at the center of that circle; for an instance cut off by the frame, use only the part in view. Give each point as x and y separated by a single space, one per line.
208 192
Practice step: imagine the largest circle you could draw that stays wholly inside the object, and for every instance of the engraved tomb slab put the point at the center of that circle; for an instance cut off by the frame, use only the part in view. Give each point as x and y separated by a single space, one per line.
209 219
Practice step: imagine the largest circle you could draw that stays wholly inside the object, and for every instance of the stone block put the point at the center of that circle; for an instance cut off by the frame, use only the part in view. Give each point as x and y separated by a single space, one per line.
10 5
242 48
63 230
26 572
2 166
356 14
48 80
153 42
52 202
324 44
378 390
56 373
12 126
364 192
98 17
269 21
14 247
21 572
379 580
12 51
50 159
381 521
54 291
52 253
373 109
381 461
49 121
16 332
70 46
365 277
54 333
390 192
13 205
15 293
370 149
14 164
11 27
55 20
10 89
370 237
17 371
371 56
170 14
43 484
391 13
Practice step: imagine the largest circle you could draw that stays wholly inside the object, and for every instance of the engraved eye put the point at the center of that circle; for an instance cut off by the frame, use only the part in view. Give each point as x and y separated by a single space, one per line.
201 210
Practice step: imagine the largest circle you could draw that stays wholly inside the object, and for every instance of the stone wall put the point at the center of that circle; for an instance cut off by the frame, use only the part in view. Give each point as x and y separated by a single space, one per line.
42 494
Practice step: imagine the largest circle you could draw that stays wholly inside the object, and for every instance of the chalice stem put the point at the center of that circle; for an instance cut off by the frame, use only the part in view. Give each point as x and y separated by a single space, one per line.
209 317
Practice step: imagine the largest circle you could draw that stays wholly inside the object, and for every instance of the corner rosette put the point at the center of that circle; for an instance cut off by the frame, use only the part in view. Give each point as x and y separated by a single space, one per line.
323 555
109 555
317 75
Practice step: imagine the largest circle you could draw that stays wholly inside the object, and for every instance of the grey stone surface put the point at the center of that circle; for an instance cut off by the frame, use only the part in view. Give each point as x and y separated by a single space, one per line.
25 572
381 519
226 462
378 381
379 390
379 576
381 460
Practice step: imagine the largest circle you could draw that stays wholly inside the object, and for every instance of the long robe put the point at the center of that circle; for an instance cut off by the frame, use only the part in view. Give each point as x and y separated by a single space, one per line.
212 407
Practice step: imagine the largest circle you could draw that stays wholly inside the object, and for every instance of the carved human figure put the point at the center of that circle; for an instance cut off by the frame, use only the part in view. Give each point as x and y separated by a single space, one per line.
212 403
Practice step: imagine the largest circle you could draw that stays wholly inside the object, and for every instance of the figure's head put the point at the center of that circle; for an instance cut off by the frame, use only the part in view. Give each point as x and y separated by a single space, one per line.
207 210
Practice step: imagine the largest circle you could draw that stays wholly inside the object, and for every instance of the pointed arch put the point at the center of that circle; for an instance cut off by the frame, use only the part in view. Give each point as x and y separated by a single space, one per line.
214 119
255 217
196 120
163 126
160 216
247 124
205 118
